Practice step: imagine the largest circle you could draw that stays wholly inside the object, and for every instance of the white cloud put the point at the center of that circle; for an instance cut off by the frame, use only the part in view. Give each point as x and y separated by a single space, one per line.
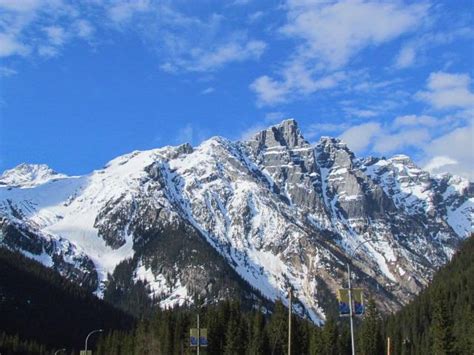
359 138
438 145
56 35
208 91
252 131
6 72
185 134
183 42
9 46
439 163
276 116
269 91
418 47
204 60
84 28
406 57
458 146
330 35
414 120
317 130
20 5
446 90
297 81
48 51
360 112
123 11
191 134
396 142
335 31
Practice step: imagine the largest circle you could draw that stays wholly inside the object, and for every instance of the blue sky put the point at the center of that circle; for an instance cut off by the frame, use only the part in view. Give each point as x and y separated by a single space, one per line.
83 82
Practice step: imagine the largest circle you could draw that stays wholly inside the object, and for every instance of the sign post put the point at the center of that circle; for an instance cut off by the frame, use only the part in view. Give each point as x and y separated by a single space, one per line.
198 338
357 296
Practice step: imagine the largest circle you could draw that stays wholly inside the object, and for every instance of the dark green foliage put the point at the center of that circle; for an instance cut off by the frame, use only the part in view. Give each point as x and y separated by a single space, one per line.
441 318
12 344
439 321
37 303
369 333
124 293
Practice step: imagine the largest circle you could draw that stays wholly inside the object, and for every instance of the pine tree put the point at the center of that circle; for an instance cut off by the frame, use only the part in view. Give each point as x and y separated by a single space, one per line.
330 337
258 339
277 330
369 335
441 328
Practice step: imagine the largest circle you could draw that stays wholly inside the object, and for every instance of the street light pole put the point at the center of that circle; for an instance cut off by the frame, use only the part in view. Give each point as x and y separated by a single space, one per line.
88 335
199 335
289 319
350 309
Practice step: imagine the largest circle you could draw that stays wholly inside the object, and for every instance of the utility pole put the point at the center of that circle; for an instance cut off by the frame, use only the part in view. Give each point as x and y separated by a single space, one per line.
289 319
351 314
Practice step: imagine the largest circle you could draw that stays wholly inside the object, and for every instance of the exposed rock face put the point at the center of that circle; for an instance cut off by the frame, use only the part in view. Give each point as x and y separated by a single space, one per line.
246 219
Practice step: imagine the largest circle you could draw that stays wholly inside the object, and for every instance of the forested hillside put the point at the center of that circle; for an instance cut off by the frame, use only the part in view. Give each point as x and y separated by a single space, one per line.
38 305
439 321
441 318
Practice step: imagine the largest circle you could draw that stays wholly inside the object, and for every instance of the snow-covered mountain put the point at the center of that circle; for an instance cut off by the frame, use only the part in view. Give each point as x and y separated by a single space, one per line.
244 218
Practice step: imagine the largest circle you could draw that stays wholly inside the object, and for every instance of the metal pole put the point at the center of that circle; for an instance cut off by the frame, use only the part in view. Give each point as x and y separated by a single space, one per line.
351 313
289 320
88 335
388 346
350 308
199 333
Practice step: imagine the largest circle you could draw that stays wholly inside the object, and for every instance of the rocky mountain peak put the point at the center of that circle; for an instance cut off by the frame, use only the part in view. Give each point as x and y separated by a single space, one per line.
28 175
225 218
285 134
333 151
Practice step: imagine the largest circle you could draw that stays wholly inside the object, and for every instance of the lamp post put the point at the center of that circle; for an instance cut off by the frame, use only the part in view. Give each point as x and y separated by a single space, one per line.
351 311
88 335
58 351
290 294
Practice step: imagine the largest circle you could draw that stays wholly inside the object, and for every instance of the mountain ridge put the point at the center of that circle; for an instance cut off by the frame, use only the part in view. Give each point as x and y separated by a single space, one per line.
277 209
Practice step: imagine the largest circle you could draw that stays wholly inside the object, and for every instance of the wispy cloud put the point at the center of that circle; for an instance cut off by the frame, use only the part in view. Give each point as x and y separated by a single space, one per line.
207 91
406 57
203 59
191 134
334 32
330 35
448 90
6 71
297 80
10 45
411 51
183 42
441 144
452 152
360 137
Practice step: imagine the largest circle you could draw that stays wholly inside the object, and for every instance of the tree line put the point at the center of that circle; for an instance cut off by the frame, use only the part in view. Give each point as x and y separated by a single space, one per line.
44 312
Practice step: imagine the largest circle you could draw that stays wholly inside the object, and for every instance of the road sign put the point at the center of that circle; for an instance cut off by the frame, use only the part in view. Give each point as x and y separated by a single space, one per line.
357 301
193 337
